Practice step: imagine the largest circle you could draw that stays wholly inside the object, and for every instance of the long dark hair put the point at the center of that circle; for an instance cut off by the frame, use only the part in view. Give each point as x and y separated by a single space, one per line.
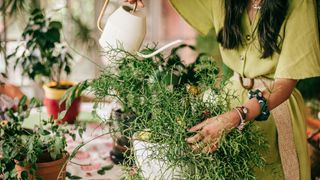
273 13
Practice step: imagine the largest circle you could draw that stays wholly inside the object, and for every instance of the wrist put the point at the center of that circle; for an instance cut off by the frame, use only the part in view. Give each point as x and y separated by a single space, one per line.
235 118
242 112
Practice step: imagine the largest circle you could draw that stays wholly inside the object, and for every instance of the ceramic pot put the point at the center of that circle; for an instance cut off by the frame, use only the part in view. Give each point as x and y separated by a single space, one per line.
52 102
151 163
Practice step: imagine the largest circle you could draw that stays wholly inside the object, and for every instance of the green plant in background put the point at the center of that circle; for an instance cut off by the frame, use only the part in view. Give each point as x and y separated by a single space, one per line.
83 35
309 88
27 147
168 97
208 44
10 9
40 52
14 6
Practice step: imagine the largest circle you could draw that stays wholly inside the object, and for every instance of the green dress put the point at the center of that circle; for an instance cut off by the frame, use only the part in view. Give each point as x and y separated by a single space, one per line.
299 59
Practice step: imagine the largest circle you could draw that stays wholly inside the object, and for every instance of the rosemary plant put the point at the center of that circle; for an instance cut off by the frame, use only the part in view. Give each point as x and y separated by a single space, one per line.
166 97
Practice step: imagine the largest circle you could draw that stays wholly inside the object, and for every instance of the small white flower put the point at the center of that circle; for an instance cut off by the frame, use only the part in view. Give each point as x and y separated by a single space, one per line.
209 96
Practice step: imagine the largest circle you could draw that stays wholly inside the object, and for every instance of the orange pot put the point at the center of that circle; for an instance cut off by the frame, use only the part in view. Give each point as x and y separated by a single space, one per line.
48 170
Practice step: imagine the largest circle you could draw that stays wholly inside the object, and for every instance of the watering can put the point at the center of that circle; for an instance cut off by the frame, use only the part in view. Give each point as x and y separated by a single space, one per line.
125 29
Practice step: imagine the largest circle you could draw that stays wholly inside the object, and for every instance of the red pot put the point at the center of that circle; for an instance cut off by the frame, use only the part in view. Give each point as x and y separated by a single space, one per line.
54 109
52 102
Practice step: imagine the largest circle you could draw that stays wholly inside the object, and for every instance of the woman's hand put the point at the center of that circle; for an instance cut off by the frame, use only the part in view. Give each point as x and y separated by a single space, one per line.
209 131
140 3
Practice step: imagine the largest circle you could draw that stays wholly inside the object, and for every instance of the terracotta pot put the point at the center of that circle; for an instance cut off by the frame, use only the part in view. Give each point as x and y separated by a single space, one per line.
52 101
47 170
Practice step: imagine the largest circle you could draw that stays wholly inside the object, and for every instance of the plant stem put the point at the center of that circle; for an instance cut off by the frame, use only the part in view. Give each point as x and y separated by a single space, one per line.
4 36
78 148
58 76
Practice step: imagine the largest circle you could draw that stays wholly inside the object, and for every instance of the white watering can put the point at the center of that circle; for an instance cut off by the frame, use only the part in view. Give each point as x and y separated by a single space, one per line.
125 28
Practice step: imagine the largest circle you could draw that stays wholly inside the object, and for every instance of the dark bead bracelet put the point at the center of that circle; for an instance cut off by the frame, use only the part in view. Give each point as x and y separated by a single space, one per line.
265 113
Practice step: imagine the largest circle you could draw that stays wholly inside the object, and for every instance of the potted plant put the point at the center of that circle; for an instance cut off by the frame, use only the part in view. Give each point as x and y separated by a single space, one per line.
31 153
166 98
42 55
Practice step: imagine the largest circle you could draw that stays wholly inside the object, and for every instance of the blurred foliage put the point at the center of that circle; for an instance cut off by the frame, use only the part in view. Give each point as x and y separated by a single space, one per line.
83 33
13 7
41 53
310 88
208 44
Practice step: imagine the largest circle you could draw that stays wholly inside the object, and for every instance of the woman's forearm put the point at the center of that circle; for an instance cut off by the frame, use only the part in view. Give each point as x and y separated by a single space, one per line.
279 93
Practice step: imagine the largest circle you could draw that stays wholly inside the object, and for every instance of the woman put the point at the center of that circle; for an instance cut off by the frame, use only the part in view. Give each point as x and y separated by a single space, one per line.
270 45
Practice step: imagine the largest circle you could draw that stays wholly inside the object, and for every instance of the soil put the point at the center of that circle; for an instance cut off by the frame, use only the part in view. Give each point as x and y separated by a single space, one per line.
45 157
64 87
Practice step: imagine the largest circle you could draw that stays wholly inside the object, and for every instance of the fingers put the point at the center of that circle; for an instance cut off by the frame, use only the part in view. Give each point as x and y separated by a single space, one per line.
140 3
197 147
199 126
205 146
206 140
195 138
210 148
208 135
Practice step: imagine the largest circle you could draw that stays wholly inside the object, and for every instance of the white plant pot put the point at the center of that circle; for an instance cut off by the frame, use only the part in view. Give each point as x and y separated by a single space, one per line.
151 164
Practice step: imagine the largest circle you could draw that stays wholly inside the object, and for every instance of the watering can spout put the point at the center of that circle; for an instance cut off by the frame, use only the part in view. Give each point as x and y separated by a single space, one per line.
179 41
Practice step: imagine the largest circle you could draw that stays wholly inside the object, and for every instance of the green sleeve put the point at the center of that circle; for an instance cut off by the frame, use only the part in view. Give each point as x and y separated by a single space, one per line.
198 13
300 54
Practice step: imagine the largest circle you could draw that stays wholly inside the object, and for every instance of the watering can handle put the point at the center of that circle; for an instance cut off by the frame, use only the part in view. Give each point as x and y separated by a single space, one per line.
104 7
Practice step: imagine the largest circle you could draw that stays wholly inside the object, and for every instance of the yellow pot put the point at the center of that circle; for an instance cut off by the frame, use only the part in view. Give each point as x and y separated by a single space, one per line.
53 93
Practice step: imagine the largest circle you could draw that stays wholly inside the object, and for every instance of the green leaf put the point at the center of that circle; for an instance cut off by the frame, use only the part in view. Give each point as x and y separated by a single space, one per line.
108 167
103 170
24 175
36 11
53 35
22 104
62 114
23 101
55 24
45 132
67 69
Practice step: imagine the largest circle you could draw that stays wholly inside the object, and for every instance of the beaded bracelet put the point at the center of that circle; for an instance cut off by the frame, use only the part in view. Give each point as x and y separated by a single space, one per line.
242 112
265 113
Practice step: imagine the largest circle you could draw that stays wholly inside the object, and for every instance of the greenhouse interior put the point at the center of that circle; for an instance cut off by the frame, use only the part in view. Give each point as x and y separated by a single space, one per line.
159 89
